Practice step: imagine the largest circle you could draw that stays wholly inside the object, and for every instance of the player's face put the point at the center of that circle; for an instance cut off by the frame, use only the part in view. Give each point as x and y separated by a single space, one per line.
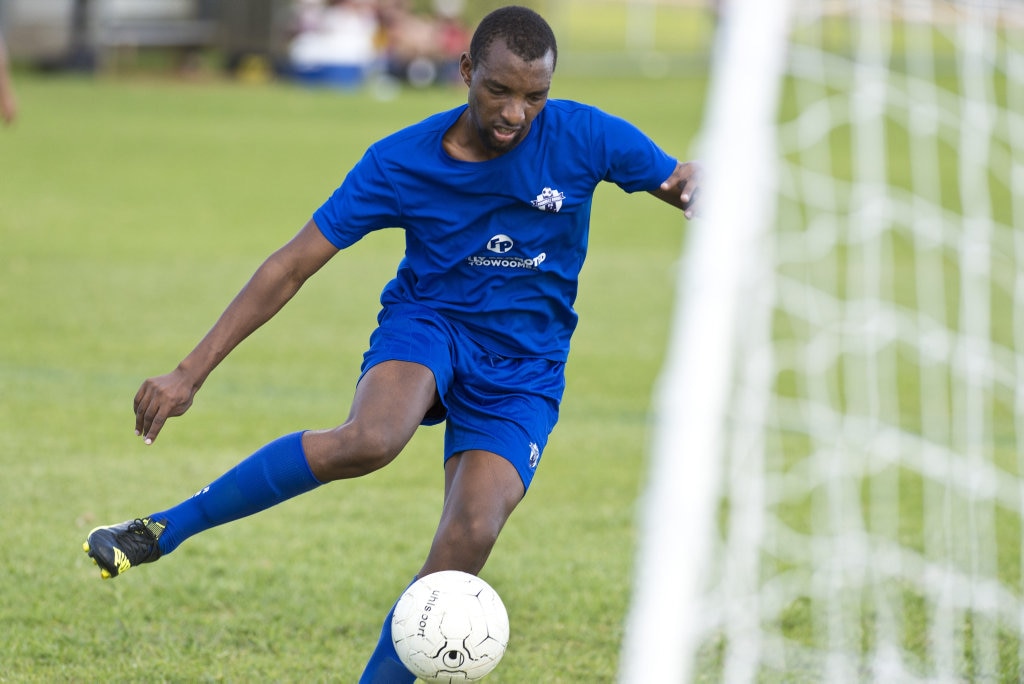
505 95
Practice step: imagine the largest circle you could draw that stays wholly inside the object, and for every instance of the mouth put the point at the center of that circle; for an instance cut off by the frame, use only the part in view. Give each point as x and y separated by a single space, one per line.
505 134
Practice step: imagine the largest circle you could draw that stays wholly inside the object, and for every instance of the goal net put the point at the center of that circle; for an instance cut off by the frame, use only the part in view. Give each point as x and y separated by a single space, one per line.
837 472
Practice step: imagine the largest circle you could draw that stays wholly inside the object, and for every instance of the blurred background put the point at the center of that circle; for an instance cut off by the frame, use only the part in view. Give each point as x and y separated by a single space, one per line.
338 43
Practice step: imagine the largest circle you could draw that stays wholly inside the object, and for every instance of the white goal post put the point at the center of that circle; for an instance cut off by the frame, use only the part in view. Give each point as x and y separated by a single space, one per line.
836 488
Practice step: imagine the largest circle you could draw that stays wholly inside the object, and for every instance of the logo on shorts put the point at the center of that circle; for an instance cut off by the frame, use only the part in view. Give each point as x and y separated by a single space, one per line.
549 200
534 455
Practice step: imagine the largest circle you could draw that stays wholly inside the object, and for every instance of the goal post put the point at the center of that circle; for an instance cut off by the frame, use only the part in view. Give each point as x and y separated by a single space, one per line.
836 487
709 295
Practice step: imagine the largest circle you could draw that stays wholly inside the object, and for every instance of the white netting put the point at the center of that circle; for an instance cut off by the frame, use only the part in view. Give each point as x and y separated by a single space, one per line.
871 511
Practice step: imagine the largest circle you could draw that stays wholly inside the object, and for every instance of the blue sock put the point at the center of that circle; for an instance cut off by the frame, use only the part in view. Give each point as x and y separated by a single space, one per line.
276 472
384 666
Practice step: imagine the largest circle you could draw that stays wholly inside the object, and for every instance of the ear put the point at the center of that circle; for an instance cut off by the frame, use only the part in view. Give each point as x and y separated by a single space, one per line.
466 68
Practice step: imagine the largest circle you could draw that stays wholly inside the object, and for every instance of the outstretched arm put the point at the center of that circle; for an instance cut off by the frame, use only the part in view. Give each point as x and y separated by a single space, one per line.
682 188
274 283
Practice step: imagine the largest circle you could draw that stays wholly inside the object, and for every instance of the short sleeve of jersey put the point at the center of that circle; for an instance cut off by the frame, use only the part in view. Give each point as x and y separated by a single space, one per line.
364 202
634 161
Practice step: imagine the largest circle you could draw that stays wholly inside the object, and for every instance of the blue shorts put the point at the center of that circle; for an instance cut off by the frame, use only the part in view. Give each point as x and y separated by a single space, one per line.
505 405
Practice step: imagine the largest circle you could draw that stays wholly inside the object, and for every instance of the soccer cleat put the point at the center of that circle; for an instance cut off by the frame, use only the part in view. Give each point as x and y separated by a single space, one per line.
116 548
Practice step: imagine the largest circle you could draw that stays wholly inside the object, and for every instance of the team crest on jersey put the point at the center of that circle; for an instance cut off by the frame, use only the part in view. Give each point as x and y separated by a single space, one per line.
549 200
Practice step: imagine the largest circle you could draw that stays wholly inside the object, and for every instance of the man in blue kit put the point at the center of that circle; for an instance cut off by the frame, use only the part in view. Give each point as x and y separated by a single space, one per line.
494 197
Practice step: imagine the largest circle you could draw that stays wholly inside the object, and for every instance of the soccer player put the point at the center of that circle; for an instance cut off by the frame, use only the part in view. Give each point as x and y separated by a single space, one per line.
494 197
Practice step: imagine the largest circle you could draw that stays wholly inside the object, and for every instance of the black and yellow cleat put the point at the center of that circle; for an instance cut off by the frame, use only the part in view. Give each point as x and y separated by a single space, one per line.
116 548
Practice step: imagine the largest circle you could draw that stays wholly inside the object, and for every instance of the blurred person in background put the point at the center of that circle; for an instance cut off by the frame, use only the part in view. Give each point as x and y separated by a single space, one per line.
335 43
423 49
8 102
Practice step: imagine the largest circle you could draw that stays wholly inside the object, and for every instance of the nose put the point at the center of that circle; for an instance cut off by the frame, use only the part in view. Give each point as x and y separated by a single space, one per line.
514 112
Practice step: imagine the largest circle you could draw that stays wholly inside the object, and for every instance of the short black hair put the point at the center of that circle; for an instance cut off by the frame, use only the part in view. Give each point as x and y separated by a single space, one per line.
526 33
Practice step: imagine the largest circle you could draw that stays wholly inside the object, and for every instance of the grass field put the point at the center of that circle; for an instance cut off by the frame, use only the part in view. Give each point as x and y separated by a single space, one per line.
130 213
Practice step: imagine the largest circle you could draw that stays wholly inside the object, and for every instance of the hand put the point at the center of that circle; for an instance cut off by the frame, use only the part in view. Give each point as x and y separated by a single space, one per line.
685 181
160 398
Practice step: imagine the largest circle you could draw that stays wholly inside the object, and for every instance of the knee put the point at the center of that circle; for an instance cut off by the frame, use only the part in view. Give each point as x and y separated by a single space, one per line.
463 544
352 450
483 538
476 534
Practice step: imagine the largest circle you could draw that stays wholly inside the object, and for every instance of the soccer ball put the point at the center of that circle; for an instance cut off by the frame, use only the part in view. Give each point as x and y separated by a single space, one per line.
450 627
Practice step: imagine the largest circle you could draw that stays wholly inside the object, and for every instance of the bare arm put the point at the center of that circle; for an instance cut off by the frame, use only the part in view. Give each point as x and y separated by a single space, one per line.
273 284
681 189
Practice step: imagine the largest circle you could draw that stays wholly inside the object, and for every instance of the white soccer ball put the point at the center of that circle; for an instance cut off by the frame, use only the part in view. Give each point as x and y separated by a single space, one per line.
450 627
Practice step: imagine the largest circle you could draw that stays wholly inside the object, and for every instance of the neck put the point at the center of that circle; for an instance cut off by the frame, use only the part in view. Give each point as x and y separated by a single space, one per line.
462 142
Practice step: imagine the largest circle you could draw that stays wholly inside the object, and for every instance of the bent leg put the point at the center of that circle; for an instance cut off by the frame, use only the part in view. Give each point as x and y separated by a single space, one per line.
383 418
390 402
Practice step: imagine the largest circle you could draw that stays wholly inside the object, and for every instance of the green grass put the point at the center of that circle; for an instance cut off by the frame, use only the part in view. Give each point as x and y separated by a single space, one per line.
130 212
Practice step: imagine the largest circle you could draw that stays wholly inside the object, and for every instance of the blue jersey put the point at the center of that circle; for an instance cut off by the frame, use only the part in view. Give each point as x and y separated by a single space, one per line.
495 246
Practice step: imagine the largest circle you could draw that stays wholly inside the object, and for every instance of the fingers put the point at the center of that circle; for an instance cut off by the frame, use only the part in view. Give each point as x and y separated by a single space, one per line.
685 179
692 200
157 400
155 425
148 419
139 414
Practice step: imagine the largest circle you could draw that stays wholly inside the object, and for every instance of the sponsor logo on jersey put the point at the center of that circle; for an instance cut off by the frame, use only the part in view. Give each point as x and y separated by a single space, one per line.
549 200
501 244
